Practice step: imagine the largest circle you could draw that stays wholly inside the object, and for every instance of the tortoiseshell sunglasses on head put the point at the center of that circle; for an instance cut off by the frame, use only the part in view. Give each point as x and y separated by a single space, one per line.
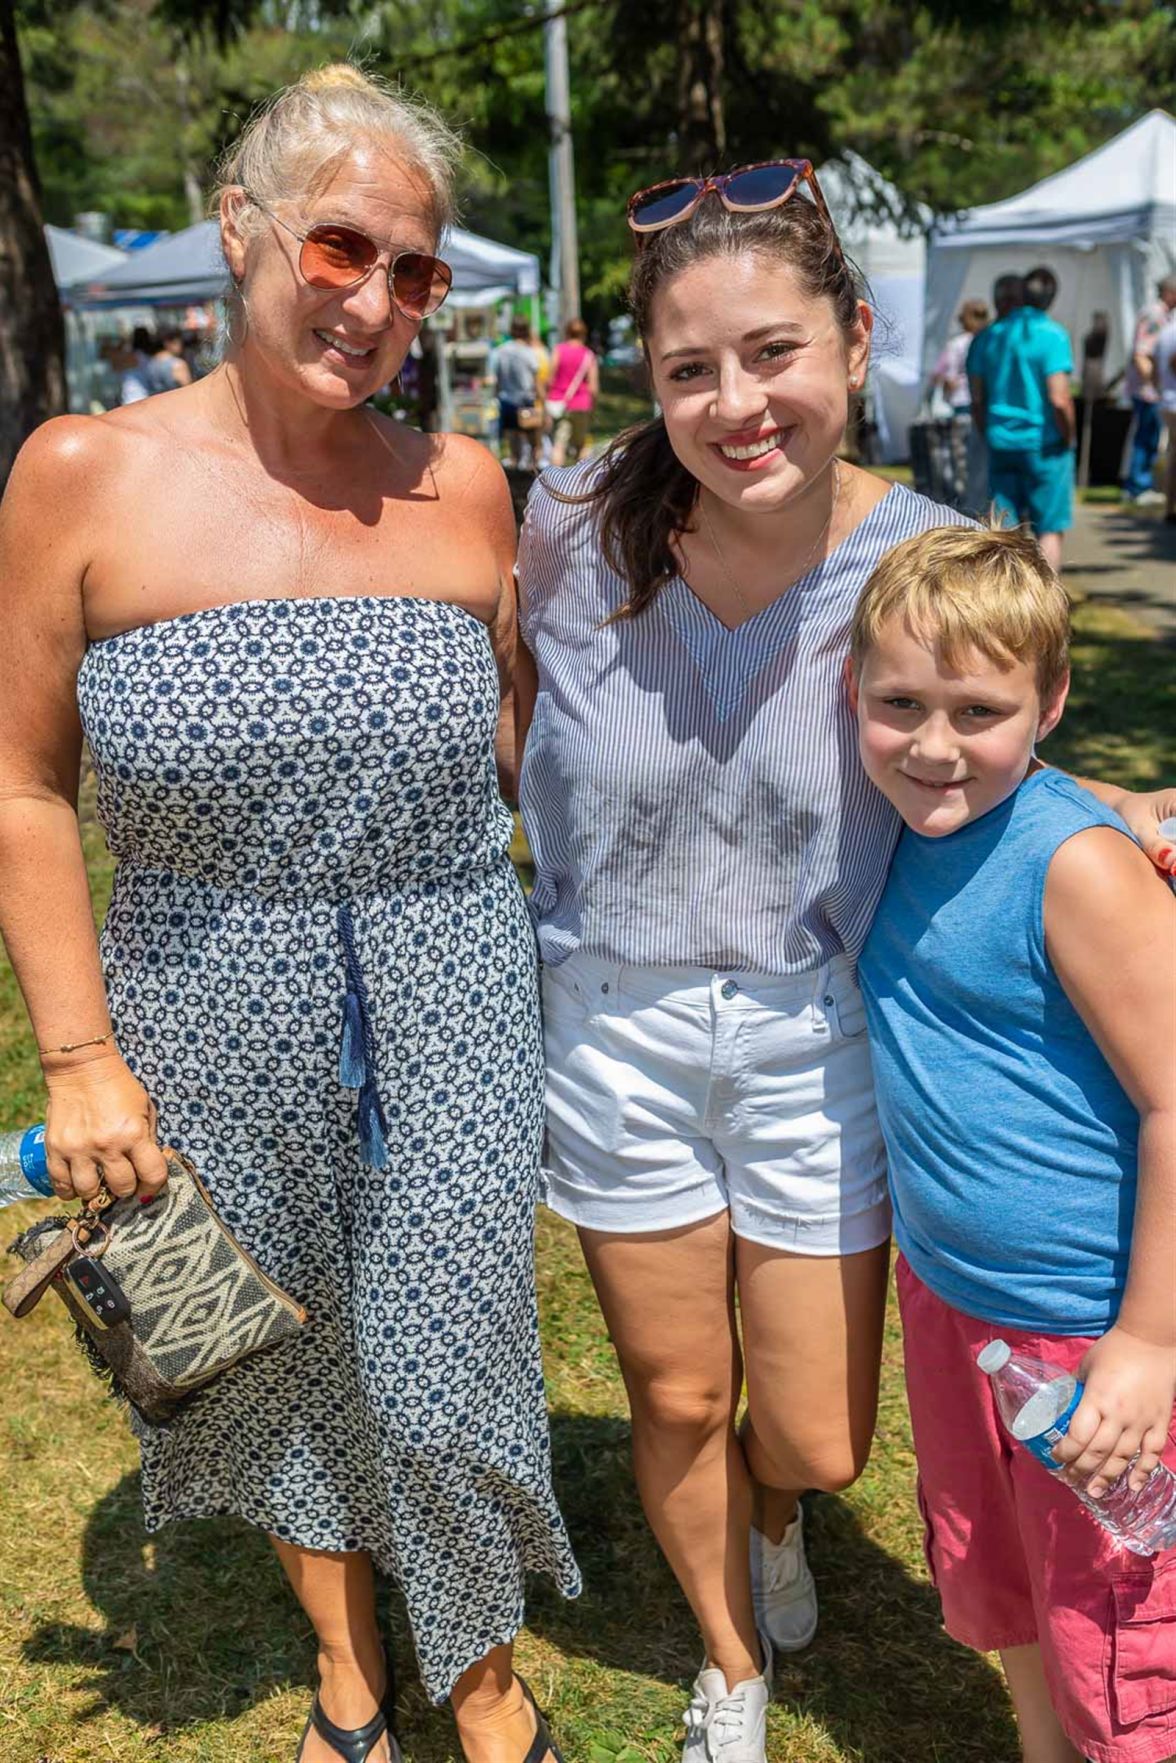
749 189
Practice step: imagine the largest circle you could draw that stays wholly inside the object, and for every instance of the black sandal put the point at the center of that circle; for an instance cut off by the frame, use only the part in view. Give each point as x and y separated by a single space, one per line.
358 1743
543 1742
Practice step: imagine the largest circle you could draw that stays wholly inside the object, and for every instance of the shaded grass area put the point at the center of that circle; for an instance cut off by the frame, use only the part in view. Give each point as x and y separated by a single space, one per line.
1120 720
189 1647
623 401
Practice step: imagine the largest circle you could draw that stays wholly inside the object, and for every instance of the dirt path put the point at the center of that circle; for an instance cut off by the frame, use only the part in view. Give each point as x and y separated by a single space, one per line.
1126 556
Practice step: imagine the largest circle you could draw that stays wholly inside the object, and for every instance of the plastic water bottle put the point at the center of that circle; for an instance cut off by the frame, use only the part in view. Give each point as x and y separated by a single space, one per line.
1168 831
1037 1402
24 1173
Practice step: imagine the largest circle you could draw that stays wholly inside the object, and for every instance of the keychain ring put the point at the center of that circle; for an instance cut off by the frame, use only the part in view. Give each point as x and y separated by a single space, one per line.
97 1235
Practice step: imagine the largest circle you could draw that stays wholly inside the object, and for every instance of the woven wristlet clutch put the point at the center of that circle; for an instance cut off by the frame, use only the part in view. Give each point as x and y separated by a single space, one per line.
198 1302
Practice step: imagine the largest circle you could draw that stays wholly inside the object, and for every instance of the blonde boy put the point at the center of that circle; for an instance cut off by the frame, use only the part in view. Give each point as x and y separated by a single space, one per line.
1019 990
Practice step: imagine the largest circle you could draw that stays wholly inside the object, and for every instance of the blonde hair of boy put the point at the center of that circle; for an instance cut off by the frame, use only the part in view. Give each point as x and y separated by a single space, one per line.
969 590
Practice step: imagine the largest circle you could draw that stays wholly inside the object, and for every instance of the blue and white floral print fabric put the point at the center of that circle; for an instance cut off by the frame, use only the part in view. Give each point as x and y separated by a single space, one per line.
262 766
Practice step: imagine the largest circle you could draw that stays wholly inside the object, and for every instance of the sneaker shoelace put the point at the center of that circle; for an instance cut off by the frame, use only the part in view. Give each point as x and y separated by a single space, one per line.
728 1717
695 1717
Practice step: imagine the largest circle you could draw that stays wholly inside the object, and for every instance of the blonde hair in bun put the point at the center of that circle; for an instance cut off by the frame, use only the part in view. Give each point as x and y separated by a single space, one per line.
290 146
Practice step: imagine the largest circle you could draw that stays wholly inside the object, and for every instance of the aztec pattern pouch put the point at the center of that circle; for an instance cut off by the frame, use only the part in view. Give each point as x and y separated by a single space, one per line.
199 1303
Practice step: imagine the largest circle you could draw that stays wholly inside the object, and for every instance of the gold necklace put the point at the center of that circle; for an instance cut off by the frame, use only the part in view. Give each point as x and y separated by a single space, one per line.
812 551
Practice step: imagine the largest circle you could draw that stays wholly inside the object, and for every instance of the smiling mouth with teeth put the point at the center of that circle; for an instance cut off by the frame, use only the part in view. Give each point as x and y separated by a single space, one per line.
753 449
343 348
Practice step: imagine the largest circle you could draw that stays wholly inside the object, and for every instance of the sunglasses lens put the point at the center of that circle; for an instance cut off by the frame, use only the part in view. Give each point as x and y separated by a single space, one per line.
761 186
420 283
335 256
654 208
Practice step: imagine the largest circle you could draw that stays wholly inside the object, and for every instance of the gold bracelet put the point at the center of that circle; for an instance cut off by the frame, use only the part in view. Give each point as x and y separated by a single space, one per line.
74 1046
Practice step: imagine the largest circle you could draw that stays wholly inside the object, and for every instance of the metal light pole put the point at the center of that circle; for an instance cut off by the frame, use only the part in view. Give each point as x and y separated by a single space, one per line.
565 255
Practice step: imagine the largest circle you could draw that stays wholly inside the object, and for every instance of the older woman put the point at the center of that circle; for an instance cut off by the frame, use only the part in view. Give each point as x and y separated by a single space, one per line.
708 855
290 692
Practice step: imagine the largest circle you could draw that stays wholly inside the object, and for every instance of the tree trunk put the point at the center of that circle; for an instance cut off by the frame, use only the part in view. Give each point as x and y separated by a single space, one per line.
32 334
702 126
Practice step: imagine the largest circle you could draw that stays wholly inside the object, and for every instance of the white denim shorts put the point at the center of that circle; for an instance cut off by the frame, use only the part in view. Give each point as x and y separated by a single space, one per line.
674 1094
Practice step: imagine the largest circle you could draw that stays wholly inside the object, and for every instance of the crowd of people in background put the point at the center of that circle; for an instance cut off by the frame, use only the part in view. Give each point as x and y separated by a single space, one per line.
1001 390
151 361
1152 389
1019 371
545 399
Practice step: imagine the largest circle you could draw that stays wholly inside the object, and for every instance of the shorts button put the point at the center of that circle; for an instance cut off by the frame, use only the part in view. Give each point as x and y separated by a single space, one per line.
729 988
829 1000
604 987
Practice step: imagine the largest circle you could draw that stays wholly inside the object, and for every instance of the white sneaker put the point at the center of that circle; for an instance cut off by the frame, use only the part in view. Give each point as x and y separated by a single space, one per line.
1147 499
782 1588
728 1726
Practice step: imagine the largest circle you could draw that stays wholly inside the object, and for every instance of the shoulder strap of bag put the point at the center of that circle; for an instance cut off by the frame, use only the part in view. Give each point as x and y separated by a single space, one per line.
581 375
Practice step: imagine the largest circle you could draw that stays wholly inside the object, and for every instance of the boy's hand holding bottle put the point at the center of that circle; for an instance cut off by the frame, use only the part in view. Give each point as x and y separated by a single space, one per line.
1125 1412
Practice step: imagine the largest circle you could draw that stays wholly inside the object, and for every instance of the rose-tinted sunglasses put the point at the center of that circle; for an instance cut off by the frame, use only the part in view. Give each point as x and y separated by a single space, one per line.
334 256
749 189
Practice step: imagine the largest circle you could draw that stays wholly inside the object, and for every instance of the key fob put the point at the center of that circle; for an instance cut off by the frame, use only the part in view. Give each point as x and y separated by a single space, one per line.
99 1291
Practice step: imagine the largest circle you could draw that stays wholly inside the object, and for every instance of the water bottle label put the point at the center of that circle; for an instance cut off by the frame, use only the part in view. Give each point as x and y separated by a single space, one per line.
1041 1444
33 1165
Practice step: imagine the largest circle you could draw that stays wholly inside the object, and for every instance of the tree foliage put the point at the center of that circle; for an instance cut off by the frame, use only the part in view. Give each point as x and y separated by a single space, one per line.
133 99
954 103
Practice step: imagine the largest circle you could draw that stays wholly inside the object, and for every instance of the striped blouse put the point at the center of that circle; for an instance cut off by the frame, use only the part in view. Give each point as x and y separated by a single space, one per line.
692 794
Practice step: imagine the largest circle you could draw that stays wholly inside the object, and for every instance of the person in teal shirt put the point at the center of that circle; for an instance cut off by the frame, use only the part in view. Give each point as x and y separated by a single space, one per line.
1019 372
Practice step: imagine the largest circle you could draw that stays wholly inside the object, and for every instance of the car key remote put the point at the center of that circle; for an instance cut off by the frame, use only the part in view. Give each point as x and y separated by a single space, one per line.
98 1289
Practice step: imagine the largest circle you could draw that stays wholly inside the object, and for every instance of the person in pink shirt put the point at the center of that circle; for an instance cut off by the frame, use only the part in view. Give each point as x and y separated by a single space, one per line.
572 393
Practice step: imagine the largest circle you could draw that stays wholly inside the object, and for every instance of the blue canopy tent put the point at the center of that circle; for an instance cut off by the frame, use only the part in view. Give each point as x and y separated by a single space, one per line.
78 259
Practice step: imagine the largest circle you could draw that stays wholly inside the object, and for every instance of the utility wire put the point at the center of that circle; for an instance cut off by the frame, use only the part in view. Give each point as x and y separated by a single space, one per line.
517 29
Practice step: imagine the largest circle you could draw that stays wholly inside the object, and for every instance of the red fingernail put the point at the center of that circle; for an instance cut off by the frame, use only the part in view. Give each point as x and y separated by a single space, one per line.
148 1199
1165 856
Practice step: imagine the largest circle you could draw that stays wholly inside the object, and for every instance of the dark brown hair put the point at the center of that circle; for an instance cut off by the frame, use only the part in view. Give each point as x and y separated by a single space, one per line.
645 494
575 328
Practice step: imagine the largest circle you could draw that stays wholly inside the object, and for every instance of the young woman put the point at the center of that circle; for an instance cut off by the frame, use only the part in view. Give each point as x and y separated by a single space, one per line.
708 854
574 389
290 693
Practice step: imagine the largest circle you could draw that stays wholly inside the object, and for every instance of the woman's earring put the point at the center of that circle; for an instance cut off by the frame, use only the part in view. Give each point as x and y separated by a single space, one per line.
237 319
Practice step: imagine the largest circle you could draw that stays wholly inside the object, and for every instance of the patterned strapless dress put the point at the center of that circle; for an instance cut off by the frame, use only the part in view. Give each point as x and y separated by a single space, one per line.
321 966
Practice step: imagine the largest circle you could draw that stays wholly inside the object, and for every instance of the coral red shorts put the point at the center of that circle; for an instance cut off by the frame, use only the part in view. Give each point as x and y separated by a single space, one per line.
1016 1560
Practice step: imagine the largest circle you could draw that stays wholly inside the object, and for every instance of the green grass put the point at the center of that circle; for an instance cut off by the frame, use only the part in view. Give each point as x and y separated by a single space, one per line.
623 401
189 1648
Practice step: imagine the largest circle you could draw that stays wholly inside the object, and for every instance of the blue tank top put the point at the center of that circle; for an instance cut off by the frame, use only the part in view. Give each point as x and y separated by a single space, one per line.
1012 1144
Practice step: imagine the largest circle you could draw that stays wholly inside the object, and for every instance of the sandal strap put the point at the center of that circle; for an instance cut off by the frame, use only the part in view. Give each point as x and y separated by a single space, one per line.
354 1745
542 1744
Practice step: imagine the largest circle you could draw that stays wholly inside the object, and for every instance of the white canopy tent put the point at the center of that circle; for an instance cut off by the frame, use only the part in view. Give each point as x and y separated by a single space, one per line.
1106 226
188 267
878 235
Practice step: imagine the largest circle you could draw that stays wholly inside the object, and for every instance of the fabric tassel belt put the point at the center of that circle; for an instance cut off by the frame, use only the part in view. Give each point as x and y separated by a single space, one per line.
357 1052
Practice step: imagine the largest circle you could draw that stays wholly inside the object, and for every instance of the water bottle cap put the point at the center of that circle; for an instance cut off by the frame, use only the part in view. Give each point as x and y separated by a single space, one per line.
994 1356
